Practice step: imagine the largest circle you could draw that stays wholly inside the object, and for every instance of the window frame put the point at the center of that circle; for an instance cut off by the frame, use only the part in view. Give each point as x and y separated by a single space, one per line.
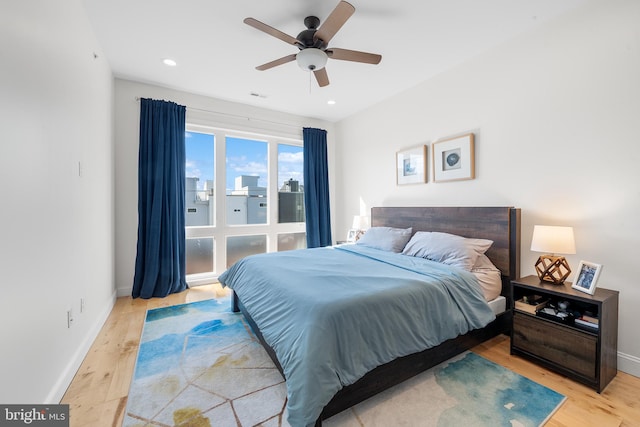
220 230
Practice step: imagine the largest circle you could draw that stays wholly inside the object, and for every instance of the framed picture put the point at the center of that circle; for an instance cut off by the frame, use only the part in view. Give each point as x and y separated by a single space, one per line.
411 165
453 159
587 277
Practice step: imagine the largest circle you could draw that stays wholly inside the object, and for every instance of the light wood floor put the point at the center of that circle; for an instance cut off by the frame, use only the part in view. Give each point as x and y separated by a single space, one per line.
98 394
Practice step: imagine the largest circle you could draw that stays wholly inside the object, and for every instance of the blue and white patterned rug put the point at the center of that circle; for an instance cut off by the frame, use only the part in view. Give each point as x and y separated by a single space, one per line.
200 365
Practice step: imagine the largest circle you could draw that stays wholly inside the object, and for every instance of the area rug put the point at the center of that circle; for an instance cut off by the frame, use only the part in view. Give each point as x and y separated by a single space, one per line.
200 365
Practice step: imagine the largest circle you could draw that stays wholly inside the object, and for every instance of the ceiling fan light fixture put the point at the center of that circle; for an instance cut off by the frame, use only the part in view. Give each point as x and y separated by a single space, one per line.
311 59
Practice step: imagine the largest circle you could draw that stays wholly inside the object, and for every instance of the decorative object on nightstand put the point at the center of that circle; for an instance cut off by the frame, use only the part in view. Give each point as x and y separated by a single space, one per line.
587 278
359 226
553 240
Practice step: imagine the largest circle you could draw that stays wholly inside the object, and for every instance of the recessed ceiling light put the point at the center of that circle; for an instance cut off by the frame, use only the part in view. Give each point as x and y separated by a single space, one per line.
169 62
331 102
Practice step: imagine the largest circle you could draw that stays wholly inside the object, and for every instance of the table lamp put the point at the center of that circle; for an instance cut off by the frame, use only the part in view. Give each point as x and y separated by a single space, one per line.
553 240
360 225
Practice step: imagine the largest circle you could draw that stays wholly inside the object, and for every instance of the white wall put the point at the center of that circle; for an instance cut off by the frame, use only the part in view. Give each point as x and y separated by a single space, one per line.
57 227
555 115
201 110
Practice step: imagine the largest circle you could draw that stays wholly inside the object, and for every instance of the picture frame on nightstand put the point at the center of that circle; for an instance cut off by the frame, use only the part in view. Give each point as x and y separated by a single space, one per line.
352 235
587 277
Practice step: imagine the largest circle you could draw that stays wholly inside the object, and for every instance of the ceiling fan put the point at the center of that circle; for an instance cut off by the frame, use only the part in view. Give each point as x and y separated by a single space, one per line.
313 43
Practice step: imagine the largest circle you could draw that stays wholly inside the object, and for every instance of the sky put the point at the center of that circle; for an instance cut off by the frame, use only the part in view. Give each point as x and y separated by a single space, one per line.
244 157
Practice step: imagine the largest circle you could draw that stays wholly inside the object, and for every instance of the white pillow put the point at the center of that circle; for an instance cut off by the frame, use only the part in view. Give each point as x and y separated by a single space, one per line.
386 238
488 276
447 248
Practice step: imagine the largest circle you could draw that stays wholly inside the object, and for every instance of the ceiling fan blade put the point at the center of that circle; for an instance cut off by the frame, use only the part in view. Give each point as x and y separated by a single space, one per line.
271 31
321 77
354 55
334 22
277 62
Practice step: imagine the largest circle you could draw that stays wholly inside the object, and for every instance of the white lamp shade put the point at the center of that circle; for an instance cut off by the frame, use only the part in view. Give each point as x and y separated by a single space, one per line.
311 59
360 222
553 240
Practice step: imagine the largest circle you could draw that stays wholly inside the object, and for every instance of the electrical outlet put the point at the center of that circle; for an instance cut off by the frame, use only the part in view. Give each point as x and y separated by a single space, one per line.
69 318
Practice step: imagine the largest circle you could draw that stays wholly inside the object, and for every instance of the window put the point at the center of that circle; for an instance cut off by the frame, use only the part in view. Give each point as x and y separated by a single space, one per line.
199 202
291 241
199 188
231 176
291 184
199 256
247 181
239 247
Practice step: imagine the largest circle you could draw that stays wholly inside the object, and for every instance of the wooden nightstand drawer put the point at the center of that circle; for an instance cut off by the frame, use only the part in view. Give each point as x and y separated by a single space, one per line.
556 343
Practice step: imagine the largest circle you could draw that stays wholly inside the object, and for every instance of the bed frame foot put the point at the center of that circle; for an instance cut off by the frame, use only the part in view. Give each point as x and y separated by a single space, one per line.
234 302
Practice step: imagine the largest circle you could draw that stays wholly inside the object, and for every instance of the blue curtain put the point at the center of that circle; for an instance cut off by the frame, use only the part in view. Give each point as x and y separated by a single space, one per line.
160 260
316 188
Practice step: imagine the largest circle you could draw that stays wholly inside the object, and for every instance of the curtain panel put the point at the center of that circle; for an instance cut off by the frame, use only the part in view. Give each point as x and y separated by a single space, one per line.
160 258
316 188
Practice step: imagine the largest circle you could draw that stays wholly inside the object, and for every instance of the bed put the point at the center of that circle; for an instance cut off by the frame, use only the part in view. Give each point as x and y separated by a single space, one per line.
321 358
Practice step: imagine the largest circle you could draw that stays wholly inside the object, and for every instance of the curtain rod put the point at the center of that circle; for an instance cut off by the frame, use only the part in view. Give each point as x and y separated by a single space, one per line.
238 116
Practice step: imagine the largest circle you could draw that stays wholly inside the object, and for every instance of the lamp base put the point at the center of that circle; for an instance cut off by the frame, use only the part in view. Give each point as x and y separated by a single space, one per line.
553 269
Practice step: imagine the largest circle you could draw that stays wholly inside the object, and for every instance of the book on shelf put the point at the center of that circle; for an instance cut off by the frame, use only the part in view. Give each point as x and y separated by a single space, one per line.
531 303
582 322
591 319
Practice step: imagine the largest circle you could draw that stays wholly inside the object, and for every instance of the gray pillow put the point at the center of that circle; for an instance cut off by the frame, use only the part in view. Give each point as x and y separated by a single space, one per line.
447 248
386 238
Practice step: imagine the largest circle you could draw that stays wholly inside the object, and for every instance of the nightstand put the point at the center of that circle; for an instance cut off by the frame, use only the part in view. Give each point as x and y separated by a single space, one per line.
583 352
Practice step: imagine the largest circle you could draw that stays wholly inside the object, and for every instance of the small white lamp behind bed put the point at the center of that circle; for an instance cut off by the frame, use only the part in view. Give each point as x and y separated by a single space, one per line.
553 240
358 227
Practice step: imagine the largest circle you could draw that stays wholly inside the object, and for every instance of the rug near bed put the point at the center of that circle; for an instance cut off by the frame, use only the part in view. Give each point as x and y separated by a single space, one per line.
199 365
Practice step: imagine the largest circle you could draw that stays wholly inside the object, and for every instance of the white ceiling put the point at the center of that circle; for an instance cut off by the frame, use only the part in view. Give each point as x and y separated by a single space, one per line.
217 53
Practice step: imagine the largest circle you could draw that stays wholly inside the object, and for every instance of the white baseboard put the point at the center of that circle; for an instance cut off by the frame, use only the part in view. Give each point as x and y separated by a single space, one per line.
629 364
123 292
69 372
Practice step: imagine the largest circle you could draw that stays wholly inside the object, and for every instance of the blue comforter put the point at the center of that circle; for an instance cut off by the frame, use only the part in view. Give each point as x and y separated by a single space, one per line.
333 314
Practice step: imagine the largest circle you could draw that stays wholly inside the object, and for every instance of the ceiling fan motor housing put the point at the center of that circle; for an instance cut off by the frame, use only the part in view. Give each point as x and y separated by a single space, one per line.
307 37
312 22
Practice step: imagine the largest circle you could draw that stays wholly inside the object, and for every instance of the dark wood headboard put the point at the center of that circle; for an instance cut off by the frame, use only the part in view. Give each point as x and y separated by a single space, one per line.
500 224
